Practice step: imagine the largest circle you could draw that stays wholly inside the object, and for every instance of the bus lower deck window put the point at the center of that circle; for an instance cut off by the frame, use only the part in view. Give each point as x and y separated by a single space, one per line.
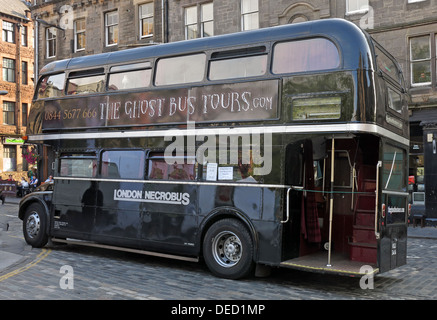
159 169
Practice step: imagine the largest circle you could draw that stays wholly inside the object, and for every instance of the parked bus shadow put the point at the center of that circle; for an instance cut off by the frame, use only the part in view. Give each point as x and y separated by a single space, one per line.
329 285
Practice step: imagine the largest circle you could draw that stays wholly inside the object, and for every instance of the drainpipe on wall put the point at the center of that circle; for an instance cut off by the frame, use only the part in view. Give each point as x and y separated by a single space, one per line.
35 55
164 22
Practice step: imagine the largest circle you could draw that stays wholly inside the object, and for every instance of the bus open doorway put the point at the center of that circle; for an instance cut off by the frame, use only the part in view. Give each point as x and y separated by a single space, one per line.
337 202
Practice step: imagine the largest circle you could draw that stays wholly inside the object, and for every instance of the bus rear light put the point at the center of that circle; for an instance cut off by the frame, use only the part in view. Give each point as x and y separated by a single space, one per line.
383 210
409 209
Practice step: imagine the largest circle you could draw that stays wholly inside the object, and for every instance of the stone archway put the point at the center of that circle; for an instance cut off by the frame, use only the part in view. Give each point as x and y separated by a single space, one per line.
298 18
299 12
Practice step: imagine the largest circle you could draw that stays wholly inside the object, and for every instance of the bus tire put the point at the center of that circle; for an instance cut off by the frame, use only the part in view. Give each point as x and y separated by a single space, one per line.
228 249
35 226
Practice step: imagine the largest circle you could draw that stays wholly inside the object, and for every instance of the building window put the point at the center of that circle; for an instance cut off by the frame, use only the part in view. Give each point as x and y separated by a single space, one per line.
420 60
79 35
8 32
24 108
51 42
9 158
204 23
207 20
9 112
146 20
24 72
249 15
111 28
8 70
24 36
356 6
191 23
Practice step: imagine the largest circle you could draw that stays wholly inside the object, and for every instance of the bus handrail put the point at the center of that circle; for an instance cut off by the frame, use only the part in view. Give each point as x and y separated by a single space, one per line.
378 166
287 216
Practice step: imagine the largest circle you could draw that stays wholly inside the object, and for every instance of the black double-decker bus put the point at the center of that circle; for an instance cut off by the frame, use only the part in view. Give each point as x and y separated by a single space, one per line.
283 147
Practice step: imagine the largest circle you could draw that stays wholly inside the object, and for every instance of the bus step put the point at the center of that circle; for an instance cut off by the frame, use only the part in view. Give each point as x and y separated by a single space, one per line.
363 252
364 234
365 202
317 262
369 185
365 218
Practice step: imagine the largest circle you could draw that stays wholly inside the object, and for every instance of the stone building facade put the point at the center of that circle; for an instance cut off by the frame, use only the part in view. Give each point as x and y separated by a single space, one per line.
406 28
16 83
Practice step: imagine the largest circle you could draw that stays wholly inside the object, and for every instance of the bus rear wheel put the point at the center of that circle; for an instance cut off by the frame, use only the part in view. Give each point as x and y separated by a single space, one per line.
35 226
228 249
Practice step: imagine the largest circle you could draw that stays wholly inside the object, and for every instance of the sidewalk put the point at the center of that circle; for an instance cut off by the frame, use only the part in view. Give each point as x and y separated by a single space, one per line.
9 250
424 233
15 200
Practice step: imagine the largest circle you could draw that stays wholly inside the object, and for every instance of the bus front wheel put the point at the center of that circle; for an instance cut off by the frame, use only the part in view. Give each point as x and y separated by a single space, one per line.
34 226
228 249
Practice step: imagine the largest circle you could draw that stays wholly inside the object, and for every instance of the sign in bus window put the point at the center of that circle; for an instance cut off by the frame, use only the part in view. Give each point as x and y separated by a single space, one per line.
316 108
305 55
232 165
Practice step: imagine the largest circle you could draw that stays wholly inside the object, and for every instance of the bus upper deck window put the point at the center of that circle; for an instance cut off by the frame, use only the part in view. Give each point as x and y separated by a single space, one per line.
179 70
305 55
87 81
86 85
240 67
51 86
130 76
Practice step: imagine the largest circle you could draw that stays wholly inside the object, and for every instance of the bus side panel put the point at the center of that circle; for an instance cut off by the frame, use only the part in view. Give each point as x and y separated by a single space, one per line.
169 217
246 200
148 216
269 227
244 203
118 219
74 212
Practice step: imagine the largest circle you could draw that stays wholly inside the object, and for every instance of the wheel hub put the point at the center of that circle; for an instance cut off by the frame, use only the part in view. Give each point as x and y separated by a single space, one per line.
33 225
227 249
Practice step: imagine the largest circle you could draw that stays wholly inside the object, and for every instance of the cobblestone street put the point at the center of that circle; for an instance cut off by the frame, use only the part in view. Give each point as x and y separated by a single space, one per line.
82 273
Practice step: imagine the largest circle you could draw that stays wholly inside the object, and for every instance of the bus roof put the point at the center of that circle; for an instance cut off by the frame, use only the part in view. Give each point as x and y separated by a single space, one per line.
351 39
